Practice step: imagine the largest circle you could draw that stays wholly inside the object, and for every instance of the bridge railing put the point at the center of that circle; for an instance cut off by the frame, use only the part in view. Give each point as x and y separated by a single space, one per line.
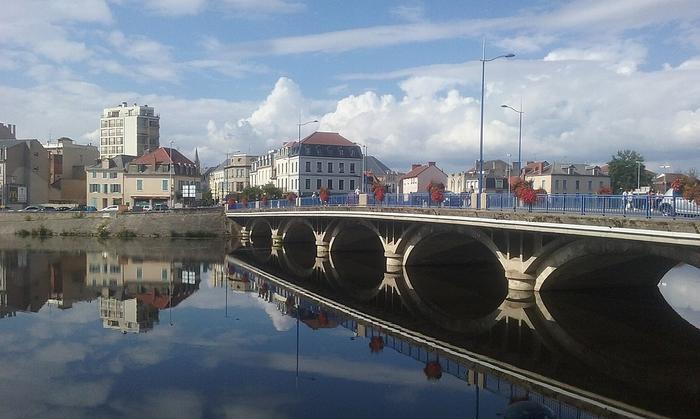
628 206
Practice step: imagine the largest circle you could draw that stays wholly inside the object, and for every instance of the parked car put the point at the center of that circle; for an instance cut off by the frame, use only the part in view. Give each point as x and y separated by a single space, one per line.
33 208
49 209
146 208
160 207
673 204
63 209
111 208
82 207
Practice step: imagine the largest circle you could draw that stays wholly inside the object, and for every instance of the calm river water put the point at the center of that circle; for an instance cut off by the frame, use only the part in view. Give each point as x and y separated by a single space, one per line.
209 329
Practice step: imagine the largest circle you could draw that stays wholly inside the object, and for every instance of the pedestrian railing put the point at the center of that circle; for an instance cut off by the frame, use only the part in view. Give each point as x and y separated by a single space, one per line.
614 205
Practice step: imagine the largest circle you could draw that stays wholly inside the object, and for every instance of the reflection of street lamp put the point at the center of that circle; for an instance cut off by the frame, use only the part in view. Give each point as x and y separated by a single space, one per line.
520 133
481 126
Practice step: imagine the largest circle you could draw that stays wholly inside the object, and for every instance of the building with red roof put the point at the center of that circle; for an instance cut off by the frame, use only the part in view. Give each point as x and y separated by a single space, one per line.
420 176
322 159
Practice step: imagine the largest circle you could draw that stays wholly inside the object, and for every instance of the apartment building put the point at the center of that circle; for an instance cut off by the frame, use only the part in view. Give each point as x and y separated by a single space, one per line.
231 176
323 159
262 169
566 178
129 130
105 181
163 176
24 173
67 176
420 176
496 174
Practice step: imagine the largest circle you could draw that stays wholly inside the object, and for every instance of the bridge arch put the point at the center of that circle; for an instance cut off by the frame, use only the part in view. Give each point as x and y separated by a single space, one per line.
594 259
337 235
412 238
260 229
297 230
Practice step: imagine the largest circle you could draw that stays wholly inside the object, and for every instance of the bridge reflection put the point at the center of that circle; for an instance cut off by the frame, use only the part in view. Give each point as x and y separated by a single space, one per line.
612 349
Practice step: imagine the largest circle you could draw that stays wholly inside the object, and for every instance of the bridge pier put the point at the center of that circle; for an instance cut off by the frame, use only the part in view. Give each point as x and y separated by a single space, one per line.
518 281
276 240
322 249
394 262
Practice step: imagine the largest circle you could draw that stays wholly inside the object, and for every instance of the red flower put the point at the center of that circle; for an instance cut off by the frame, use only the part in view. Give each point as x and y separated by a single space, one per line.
433 370
379 194
528 195
436 191
323 194
676 184
376 344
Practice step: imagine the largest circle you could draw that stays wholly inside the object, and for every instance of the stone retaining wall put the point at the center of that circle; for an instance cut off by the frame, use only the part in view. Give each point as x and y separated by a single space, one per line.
180 223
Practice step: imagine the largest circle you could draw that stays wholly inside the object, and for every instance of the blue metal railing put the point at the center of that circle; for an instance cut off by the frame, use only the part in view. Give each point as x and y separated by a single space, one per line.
615 205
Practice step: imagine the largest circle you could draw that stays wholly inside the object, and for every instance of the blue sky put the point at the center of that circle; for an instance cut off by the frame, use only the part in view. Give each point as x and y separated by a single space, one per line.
403 78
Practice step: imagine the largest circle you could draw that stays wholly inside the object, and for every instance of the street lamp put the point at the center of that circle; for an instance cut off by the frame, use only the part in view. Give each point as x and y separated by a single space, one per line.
520 134
639 171
484 60
508 169
301 124
364 157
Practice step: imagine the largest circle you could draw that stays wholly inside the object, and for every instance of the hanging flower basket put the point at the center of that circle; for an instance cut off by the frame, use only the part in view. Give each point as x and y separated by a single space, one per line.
376 344
677 185
436 191
323 195
379 193
433 370
292 198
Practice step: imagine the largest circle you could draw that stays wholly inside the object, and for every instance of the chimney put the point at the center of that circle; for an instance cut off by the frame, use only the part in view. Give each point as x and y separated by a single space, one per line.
431 163
414 166
123 104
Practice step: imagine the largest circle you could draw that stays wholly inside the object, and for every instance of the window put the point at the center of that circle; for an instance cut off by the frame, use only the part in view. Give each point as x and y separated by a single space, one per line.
105 188
139 185
556 185
330 183
352 184
308 184
94 174
341 167
319 167
318 183
115 188
113 175
330 167
563 182
94 188
590 185
308 166
164 185
139 273
104 175
341 184
164 274
116 201
578 185
542 184
352 167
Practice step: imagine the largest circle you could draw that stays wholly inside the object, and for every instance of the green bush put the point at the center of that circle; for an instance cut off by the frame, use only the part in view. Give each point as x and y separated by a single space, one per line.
23 233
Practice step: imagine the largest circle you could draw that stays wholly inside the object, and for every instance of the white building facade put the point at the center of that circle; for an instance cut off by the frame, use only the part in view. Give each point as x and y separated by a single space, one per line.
420 176
129 130
323 159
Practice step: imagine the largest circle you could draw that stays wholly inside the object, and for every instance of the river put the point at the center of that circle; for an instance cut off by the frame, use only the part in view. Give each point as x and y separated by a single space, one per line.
210 329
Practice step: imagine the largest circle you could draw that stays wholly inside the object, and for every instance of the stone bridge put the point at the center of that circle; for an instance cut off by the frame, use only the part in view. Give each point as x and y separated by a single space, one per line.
533 252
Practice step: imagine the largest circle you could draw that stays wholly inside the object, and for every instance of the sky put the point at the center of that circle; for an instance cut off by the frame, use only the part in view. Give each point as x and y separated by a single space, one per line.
402 78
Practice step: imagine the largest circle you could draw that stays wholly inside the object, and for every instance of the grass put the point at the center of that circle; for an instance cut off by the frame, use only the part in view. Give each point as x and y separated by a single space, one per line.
102 231
126 234
42 231
197 234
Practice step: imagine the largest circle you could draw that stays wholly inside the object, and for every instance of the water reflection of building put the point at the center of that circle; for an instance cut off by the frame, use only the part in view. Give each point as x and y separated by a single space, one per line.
237 278
23 285
133 290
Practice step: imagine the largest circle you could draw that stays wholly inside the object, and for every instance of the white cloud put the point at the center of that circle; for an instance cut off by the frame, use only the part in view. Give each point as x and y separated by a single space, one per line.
409 12
175 7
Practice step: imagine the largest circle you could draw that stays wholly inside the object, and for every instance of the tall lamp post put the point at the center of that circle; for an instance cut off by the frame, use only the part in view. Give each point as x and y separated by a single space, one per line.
301 124
364 166
520 134
170 174
484 60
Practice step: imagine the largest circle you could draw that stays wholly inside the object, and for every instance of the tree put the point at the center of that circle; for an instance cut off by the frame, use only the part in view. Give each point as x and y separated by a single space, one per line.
271 191
623 169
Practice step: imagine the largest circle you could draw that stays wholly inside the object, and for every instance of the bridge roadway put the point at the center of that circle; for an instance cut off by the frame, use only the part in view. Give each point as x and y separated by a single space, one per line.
533 250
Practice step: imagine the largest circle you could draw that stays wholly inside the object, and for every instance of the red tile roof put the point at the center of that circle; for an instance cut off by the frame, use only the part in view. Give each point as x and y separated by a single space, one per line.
162 155
327 138
415 172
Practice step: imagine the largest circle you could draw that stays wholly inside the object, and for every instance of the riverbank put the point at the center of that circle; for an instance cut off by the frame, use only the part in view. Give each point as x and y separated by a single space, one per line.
180 223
